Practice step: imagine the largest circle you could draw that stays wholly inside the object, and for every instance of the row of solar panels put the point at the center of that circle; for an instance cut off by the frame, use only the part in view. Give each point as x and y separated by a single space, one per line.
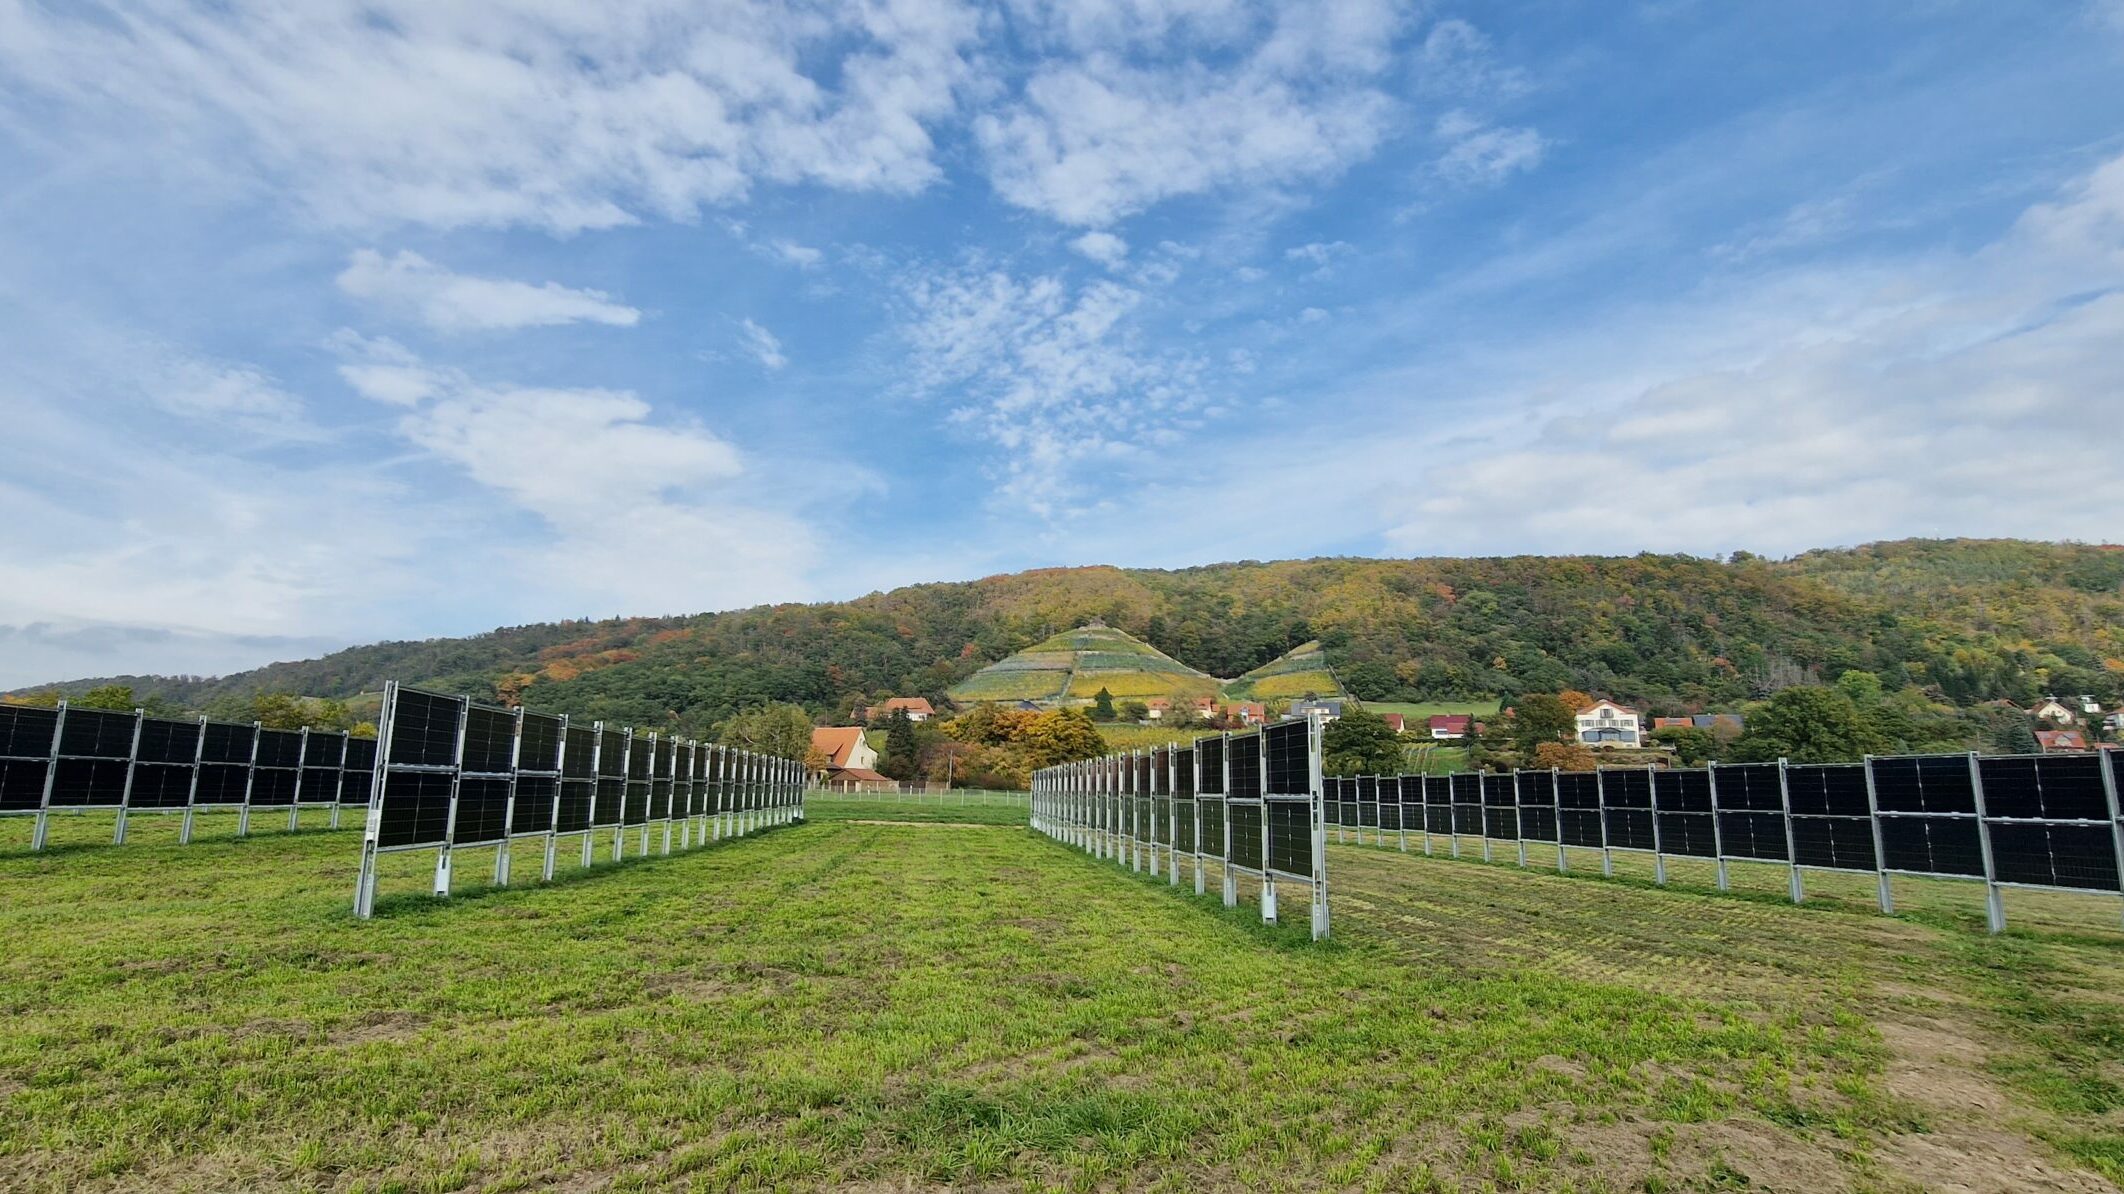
1248 801
459 773
73 758
2018 820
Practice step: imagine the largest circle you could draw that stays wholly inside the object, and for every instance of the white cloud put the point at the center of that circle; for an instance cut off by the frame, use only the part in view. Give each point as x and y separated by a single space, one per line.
1479 155
1457 59
1103 247
1048 376
1097 138
643 514
452 302
1319 253
1818 406
481 112
1312 315
762 344
801 256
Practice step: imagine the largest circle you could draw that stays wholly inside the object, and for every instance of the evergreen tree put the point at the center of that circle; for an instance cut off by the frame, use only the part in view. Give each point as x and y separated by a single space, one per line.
1103 706
903 751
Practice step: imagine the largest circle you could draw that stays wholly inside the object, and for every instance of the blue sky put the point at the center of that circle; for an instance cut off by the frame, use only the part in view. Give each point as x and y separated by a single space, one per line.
330 322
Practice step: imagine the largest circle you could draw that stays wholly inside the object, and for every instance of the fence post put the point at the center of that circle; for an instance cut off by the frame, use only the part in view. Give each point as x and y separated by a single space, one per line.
457 775
132 764
191 797
250 782
1886 893
1784 802
1231 881
2108 764
1600 801
1994 900
1659 853
1718 834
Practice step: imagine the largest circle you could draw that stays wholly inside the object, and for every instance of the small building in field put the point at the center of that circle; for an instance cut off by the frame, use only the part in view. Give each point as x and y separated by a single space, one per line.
850 761
1446 727
1329 708
1205 707
1250 713
1159 707
916 708
1395 722
1605 723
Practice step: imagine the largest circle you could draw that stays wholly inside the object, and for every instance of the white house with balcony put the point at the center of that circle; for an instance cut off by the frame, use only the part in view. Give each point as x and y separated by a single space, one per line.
1605 723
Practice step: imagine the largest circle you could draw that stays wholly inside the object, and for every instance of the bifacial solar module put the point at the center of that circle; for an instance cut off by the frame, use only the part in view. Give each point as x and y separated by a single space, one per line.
360 769
273 787
97 734
610 804
27 734
2045 788
2052 854
1500 808
278 748
1210 752
1288 746
1243 755
1682 799
424 729
22 784
222 784
162 786
1184 771
1834 843
1925 784
416 808
577 798
1212 813
88 783
1749 787
1246 835
539 748
482 811
1467 803
1828 790
1943 845
1579 822
533 804
1368 801
1290 830
1438 804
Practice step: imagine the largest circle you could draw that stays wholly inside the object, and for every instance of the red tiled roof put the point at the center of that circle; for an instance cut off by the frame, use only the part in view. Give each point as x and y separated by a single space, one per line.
911 704
836 742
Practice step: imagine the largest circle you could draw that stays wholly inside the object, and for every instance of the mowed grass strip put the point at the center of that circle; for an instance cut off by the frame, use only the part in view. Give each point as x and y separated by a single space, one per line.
846 1002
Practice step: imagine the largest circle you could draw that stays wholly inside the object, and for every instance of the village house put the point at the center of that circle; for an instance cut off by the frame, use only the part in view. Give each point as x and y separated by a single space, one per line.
1605 723
2052 741
1329 709
1448 726
2054 711
1395 722
850 761
1248 713
1205 707
916 708
1159 707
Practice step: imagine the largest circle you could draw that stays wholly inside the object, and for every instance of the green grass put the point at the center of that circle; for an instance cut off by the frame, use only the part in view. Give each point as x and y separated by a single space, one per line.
850 1003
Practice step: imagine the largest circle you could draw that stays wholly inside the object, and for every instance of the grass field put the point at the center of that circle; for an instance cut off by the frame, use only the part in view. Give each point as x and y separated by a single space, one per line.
889 997
1420 712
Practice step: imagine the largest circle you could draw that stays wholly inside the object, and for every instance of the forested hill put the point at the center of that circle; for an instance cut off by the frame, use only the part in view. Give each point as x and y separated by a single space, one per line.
1968 620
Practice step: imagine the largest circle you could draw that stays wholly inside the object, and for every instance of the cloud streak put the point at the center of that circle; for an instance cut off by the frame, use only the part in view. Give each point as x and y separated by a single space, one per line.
455 303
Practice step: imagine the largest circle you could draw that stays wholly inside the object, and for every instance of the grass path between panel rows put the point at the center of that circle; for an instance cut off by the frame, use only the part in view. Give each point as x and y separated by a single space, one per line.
892 996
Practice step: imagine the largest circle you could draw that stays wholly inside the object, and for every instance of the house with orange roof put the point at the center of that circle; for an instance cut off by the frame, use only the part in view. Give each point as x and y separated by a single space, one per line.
850 760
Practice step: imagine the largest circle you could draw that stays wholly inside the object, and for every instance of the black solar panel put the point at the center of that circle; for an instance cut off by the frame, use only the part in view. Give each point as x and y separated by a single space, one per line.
22 784
533 802
222 783
610 803
1928 784
2052 855
163 785
97 733
1828 790
1211 753
1834 843
279 748
1750 834
1244 767
577 798
273 787
482 811
1683 801
1749 787
1290 757
2048 788
1290 830
1246 836
416 808
1931 845
27 733
318 750
1184 828
88 783
1212 813
424 729
1467 803
540 745
1184 771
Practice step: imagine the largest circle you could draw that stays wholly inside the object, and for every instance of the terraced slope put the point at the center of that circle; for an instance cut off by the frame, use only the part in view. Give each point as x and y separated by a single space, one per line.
1302 671
1071 668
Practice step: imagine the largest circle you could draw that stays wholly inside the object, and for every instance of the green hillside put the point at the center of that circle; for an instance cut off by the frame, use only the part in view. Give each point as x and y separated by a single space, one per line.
1300 672
1074 666
1961 620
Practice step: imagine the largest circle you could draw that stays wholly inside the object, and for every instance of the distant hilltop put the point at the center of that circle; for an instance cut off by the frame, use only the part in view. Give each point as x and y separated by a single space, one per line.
1954 621
1073 667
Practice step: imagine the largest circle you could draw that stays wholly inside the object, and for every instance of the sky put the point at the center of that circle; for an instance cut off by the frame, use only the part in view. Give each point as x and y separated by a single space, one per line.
326 322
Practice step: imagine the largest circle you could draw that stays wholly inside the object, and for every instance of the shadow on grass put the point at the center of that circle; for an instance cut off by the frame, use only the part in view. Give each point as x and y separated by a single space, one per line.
199 840
413 902
1292 934
1945 919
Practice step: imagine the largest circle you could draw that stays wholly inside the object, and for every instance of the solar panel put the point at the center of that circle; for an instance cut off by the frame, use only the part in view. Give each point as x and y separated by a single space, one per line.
1537 805
1290 830
1466 789
27 734
1367 800
1500 807
1210 752
88 783
1212 812
416 809
359 771
1289 747
1682 800
424 729
1578 819
1246 836
1244 766
1932 845
482 811
97 734
1438 804
532 804
1828 790
1184 771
